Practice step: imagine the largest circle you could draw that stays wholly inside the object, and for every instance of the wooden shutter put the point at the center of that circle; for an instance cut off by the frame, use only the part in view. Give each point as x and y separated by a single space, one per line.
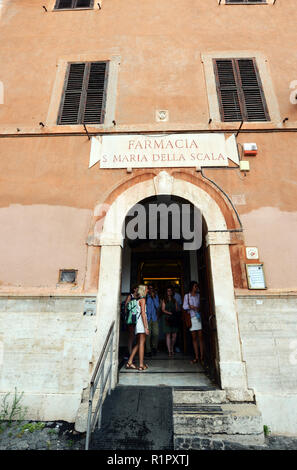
95 93
84 94
240 92
227 91
252 91
245 1
60 4
84 3
67 4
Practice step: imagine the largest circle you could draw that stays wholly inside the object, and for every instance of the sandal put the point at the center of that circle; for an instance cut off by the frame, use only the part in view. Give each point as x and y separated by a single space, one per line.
130 366
195 361
142 368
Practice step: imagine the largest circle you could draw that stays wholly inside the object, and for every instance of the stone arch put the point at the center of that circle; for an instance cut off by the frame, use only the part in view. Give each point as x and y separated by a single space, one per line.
110 238
161 184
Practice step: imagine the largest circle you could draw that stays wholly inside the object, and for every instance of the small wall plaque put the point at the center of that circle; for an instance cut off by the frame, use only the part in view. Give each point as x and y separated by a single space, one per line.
162 115
252 252
90 307
255 275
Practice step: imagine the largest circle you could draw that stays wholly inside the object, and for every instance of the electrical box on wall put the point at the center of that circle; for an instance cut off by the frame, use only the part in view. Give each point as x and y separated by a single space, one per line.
244 165
250 150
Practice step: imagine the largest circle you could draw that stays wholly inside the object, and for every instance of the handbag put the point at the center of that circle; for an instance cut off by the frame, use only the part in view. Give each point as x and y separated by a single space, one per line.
187 318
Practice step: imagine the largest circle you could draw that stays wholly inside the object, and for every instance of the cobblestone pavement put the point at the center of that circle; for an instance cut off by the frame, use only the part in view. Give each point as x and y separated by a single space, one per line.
29 435
60 435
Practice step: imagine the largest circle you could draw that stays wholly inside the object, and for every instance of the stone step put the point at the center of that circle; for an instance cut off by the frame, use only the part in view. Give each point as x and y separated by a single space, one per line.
199 396
235 422
81 419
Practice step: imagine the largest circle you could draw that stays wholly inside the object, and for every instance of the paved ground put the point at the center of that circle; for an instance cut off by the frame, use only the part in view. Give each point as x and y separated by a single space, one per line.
59 436
29 435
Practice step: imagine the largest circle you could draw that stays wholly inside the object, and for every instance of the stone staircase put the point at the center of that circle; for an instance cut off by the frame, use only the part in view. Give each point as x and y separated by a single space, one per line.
199 418
206 419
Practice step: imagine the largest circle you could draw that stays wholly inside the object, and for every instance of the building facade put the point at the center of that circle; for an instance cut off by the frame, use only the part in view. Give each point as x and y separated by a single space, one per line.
109 104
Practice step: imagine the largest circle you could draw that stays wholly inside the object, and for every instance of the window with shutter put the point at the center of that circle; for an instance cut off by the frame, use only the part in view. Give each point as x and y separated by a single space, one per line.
84 95
245 1
72 4
240 92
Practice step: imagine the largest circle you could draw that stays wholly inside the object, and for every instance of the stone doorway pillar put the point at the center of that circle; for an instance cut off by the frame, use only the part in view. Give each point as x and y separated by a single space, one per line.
232 368
108 302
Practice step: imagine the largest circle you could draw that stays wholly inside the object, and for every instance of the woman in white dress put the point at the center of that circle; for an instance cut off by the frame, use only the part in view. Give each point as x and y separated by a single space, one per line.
141 330
192 305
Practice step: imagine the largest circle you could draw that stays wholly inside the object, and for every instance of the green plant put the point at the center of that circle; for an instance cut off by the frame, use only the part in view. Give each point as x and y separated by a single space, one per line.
266 430
70 443
52 431
12 409
31 427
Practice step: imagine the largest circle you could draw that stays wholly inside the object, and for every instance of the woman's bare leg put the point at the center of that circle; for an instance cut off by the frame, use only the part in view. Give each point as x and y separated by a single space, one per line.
168 342
200 337
134 350
130 338
142 337
173 341
195 343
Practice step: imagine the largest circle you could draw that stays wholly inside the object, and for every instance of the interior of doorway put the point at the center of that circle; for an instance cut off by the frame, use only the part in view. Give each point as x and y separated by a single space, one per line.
165 263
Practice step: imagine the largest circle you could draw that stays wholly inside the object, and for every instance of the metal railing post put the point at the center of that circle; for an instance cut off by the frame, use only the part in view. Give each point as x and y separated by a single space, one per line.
101 395
89 418
99 376
111 359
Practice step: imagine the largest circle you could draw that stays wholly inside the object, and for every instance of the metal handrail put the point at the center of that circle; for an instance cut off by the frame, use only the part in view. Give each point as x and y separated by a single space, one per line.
97 375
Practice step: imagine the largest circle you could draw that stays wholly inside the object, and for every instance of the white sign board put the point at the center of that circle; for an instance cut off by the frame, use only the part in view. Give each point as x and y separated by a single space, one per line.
255 274
174 150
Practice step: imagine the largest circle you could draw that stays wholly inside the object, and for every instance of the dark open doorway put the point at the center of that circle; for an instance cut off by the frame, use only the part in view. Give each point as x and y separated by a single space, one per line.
163 262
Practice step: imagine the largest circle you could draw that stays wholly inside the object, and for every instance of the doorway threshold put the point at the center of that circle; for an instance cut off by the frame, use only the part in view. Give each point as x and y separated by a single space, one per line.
170 372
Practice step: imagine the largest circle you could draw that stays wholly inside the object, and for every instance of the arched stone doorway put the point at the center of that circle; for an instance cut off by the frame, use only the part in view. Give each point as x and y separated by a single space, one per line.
231 367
